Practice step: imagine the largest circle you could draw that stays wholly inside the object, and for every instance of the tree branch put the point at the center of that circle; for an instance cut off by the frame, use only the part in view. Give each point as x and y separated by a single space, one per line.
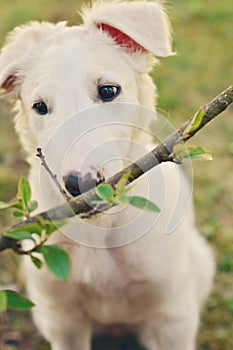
81 205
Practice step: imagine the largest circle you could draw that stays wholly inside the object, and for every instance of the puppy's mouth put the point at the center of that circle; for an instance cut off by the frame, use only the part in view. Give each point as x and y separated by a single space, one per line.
76 183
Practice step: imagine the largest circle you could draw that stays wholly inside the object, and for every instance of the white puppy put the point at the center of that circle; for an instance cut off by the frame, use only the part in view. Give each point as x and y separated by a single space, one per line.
156 285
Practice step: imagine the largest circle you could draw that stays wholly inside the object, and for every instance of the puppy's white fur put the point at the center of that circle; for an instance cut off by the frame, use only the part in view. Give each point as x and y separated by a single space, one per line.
156 285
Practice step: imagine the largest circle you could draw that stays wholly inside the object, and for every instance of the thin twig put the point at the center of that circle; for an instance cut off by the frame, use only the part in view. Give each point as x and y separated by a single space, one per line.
162 153
51 174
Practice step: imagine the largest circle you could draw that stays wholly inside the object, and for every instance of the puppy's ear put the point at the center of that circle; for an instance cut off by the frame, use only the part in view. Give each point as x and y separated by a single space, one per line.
9 85
24 45
138 26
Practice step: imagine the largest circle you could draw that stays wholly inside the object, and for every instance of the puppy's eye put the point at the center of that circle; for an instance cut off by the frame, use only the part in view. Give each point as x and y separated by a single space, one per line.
40 108
107 93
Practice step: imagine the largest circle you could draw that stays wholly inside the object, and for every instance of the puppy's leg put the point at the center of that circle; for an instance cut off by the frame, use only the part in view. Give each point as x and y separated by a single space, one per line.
72 341
59 311
75 335
173 328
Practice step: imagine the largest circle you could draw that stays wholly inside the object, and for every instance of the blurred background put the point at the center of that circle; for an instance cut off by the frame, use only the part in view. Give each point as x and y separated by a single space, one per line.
203 39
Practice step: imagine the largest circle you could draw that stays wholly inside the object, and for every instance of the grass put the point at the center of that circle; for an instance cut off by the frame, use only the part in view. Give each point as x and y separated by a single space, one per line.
202 68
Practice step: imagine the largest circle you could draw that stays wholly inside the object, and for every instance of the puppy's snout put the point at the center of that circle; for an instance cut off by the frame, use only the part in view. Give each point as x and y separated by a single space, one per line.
76 183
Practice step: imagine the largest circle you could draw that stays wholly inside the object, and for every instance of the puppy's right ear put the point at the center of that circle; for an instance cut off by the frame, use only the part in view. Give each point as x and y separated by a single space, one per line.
24 46
15 58
10 80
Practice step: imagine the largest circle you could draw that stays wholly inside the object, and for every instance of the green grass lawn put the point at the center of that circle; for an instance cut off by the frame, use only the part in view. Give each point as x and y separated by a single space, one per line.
203 39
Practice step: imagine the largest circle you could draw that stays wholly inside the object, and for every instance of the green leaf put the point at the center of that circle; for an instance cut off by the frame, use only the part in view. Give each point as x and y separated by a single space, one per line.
24 190
51 226
14 204
105 191
57 260
37 262
143 203
3 300
195 123
4 205
32 205
19 235
18 214
18 204
181 152
120 187
32 228
198 152
16 301
120 199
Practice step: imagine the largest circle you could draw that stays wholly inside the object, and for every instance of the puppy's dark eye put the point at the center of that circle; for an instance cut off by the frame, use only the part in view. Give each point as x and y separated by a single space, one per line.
40 108
107 93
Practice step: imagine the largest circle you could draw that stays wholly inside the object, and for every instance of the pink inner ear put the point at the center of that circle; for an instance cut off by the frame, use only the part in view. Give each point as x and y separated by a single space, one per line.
121 38
9 83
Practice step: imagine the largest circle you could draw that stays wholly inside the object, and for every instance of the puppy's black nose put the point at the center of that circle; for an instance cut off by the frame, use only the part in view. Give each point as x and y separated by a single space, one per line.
76 183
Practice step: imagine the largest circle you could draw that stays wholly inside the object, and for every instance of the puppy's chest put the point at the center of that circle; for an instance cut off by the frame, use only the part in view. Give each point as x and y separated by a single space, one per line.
113 291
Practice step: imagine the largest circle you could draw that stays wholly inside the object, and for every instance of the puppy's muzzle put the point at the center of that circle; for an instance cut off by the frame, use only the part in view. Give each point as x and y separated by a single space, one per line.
76 183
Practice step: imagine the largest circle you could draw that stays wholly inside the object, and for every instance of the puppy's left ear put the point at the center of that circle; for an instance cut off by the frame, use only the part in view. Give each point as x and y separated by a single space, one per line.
138 26
24 46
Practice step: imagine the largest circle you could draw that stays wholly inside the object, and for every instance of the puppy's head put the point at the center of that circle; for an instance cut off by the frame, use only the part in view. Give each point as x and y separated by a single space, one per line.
55 71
